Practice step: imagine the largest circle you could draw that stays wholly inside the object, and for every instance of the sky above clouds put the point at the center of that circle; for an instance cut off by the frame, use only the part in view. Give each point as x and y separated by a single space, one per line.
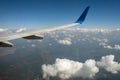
43 13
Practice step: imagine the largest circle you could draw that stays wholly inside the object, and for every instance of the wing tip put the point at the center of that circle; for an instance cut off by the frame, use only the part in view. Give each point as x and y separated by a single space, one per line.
83 15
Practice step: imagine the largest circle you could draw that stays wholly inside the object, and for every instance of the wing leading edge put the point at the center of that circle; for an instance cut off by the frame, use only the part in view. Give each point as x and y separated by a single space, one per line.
32 34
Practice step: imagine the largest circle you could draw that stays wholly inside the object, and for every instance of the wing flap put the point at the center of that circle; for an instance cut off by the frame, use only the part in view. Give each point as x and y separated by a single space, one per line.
32 37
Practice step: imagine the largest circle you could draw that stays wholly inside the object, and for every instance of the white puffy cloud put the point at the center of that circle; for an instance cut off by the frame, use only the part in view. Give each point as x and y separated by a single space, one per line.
89 69
66 41
104 40
33 45
117 47
107 46
3 30
65 69
108 63
21 30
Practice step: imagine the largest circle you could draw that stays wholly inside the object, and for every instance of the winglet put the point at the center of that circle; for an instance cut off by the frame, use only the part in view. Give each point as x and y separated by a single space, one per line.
82 17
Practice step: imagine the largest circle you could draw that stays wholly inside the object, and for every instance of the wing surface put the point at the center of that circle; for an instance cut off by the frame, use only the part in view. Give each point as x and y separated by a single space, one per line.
34 34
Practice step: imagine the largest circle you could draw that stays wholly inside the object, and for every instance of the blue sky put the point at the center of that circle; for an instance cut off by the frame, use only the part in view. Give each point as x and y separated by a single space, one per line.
43 13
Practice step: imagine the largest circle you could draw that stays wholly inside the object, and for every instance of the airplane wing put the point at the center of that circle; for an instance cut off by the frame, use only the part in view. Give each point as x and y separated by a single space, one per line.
33 34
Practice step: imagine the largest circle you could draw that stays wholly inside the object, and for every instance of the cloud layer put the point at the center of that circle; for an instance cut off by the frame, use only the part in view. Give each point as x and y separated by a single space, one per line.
65 68
108 63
